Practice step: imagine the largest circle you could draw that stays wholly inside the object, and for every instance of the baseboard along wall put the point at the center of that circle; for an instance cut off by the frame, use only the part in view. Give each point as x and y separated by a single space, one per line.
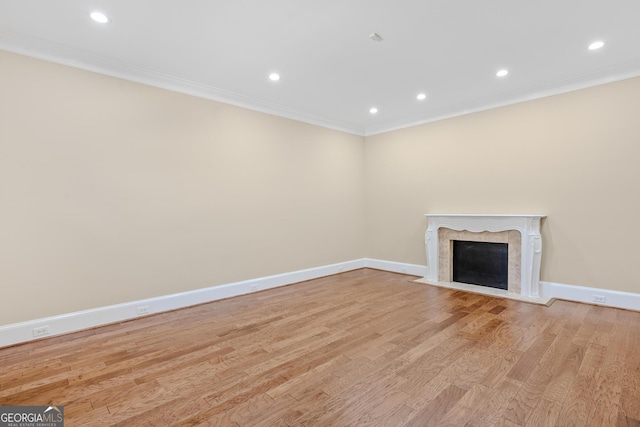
72 322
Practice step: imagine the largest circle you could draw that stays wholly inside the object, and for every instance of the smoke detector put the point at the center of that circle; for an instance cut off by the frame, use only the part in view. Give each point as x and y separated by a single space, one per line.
375 37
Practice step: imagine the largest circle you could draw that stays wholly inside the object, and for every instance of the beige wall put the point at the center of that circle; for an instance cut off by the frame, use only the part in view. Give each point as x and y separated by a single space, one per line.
113 191
574 157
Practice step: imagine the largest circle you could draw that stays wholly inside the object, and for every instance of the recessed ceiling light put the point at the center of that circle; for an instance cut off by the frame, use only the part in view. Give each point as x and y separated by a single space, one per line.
421 96
274 77
99 17
502 73
373 110
596 45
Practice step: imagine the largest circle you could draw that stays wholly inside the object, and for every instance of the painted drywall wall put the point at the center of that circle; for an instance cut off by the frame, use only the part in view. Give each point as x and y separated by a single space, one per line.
113 191
573 157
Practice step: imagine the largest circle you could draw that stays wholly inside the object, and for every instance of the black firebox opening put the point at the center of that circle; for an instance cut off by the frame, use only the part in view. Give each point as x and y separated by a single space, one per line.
481 263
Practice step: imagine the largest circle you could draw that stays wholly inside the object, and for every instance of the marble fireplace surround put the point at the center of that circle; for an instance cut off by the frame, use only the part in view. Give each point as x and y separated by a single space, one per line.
521 232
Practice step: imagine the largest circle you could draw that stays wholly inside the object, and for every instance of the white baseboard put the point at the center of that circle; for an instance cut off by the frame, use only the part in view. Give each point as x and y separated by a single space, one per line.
605 297
616 299
73 322
396 267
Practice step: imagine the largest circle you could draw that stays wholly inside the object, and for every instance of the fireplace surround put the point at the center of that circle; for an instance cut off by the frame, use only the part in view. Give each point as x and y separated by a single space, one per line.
520 232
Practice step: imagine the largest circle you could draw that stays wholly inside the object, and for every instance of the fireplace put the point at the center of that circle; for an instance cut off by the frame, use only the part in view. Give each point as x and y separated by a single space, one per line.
523 245
481 263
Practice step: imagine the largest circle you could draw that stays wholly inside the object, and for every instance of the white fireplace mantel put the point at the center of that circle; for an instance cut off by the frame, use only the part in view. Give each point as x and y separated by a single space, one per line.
531 243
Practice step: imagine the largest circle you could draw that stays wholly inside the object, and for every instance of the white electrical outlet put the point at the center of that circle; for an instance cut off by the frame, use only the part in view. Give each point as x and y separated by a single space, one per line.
599 299
40 331
142 310
253 287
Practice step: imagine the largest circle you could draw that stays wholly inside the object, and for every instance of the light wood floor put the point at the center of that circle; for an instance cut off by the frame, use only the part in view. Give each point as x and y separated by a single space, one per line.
361 348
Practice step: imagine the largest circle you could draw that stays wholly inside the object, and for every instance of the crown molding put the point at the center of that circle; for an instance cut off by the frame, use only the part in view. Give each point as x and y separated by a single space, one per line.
583 81
64 55
57 53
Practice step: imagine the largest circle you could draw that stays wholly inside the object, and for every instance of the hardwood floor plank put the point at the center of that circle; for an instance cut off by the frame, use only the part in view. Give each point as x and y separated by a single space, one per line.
362 348
546 413
556 390
41 393
630 398
384 394
433 412
316 376
529 360
498 398
579 399
503 362
529 395
291 409
609 381
170 413
462 412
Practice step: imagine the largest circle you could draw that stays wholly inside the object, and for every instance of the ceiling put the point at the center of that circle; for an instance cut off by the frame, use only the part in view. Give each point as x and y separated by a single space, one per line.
332 73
